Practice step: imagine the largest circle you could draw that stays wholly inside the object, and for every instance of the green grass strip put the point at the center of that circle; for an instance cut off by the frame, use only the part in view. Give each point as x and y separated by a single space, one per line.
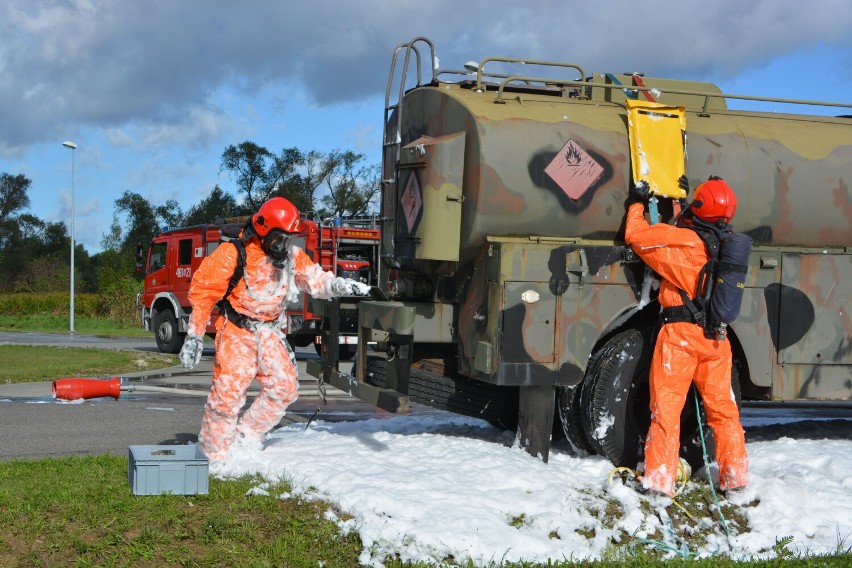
29 363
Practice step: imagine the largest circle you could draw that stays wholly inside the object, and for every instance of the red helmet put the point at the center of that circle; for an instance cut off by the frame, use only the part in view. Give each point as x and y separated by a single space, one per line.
277 213
714 201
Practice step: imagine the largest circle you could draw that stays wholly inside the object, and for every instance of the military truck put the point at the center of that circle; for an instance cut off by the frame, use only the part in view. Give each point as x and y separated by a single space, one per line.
506 289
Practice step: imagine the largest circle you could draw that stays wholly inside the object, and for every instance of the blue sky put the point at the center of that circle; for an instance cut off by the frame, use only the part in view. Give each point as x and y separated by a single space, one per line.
153 91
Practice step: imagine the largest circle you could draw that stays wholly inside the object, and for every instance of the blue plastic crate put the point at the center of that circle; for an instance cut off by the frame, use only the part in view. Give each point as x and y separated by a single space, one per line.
155 470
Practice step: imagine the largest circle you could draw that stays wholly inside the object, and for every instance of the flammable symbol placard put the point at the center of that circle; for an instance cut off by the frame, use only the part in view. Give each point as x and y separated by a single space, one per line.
574 170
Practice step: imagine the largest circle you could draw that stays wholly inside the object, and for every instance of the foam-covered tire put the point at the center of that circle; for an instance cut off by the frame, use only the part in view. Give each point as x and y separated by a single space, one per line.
615 404
569 406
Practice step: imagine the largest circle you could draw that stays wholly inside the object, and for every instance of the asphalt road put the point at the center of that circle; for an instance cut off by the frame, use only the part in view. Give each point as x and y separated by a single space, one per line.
33 424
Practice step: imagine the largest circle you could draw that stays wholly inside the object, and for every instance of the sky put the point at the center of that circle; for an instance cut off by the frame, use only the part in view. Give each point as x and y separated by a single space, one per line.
152 92
435 485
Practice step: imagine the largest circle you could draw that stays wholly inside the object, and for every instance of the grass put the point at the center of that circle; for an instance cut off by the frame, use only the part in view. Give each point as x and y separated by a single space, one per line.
28 363
82 324
80 511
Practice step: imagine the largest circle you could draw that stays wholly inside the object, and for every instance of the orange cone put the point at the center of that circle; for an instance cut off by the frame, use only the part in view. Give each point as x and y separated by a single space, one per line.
77 388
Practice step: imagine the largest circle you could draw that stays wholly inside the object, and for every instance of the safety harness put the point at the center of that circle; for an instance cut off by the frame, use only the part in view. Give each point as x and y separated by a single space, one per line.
240 320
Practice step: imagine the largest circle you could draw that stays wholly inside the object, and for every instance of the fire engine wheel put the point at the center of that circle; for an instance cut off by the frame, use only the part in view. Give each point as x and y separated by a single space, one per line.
464 396
169 340
615 399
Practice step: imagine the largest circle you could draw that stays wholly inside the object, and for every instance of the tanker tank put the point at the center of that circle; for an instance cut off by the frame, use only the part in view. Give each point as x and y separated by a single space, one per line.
791 171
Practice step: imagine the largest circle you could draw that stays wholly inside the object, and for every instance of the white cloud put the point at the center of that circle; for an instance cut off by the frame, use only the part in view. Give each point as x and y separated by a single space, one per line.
109 64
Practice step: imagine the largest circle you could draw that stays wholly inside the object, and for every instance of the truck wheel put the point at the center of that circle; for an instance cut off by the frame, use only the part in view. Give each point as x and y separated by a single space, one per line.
464 396
568 404
169 340
615 404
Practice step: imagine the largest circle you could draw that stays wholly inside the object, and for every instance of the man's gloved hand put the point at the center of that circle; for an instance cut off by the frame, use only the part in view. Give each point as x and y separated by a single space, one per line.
190 353
640 191
683 183
360 289
349 287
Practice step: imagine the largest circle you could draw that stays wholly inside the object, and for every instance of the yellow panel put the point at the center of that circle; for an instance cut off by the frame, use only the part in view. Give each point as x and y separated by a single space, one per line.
657 145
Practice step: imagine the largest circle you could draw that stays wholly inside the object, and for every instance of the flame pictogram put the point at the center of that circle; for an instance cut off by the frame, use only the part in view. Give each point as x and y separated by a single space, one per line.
572 156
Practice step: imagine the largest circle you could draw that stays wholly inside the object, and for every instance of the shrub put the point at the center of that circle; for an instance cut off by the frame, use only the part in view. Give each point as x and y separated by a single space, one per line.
118 302
50 304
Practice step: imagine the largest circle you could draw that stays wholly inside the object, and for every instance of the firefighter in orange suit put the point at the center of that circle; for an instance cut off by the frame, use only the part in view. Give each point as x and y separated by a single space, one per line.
250 340
683 354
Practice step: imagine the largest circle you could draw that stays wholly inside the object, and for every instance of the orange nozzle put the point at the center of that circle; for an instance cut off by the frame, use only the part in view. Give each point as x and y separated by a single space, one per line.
77 388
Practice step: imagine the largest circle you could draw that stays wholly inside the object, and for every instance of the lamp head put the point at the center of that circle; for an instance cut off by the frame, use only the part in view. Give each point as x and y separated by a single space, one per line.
69 144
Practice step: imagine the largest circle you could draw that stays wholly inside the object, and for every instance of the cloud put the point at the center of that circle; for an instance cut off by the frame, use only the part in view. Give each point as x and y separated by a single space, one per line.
146 70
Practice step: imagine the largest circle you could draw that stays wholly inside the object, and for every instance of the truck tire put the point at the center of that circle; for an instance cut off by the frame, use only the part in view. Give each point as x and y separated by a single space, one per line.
615 404
463 395
169 340
569 405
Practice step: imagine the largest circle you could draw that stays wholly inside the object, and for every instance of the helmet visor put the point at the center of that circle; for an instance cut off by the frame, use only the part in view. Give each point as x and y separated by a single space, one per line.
276 245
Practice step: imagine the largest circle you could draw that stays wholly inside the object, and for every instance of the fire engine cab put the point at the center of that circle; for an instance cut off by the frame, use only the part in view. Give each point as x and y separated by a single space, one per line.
349 247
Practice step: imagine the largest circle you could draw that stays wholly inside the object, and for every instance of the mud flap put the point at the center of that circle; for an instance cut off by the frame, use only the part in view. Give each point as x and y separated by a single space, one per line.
536 408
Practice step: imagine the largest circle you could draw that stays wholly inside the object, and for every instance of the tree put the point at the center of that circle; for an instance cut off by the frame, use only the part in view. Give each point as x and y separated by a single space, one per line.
298 176
13 199
352 186
170 213
252 167
292 174
219 205
142 221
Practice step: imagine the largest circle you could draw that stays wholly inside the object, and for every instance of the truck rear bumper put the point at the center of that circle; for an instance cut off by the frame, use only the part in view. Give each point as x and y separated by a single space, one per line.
386 399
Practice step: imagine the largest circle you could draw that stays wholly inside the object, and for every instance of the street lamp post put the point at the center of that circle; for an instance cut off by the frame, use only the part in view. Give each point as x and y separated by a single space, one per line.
72 147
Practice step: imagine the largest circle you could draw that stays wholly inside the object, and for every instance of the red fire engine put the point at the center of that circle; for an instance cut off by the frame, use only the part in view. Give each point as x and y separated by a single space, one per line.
349 247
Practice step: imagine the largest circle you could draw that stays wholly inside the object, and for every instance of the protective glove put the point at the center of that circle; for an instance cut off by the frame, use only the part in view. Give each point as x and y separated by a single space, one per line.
683 183
640 191
190 353
360 289
349 287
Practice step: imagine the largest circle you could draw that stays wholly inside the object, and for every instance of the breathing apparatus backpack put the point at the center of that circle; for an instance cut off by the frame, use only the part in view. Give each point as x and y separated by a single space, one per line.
721 283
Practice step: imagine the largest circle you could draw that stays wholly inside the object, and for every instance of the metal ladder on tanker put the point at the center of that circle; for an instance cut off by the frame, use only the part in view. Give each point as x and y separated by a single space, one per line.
392 138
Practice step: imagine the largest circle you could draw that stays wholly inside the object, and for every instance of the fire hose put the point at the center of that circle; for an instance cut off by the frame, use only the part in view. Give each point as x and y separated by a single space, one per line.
77 388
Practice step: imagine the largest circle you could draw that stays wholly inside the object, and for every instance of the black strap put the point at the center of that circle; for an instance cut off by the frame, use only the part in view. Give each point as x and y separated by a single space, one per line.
232 315
239 269
675 314
732 267
235 317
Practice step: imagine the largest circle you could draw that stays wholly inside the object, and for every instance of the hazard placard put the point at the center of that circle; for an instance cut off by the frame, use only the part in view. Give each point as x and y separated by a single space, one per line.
411 201
574 170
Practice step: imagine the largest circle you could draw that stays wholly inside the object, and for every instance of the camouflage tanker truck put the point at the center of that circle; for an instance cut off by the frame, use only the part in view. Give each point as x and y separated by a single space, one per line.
507 291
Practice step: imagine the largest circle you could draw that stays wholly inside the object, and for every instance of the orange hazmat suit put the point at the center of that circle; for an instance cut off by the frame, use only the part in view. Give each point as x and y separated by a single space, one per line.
683 355
258 350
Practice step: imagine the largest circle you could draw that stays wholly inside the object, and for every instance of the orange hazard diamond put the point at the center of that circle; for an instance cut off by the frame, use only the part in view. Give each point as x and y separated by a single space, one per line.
574 170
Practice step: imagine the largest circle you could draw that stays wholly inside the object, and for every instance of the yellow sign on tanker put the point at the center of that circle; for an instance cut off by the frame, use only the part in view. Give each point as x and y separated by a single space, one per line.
657 145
